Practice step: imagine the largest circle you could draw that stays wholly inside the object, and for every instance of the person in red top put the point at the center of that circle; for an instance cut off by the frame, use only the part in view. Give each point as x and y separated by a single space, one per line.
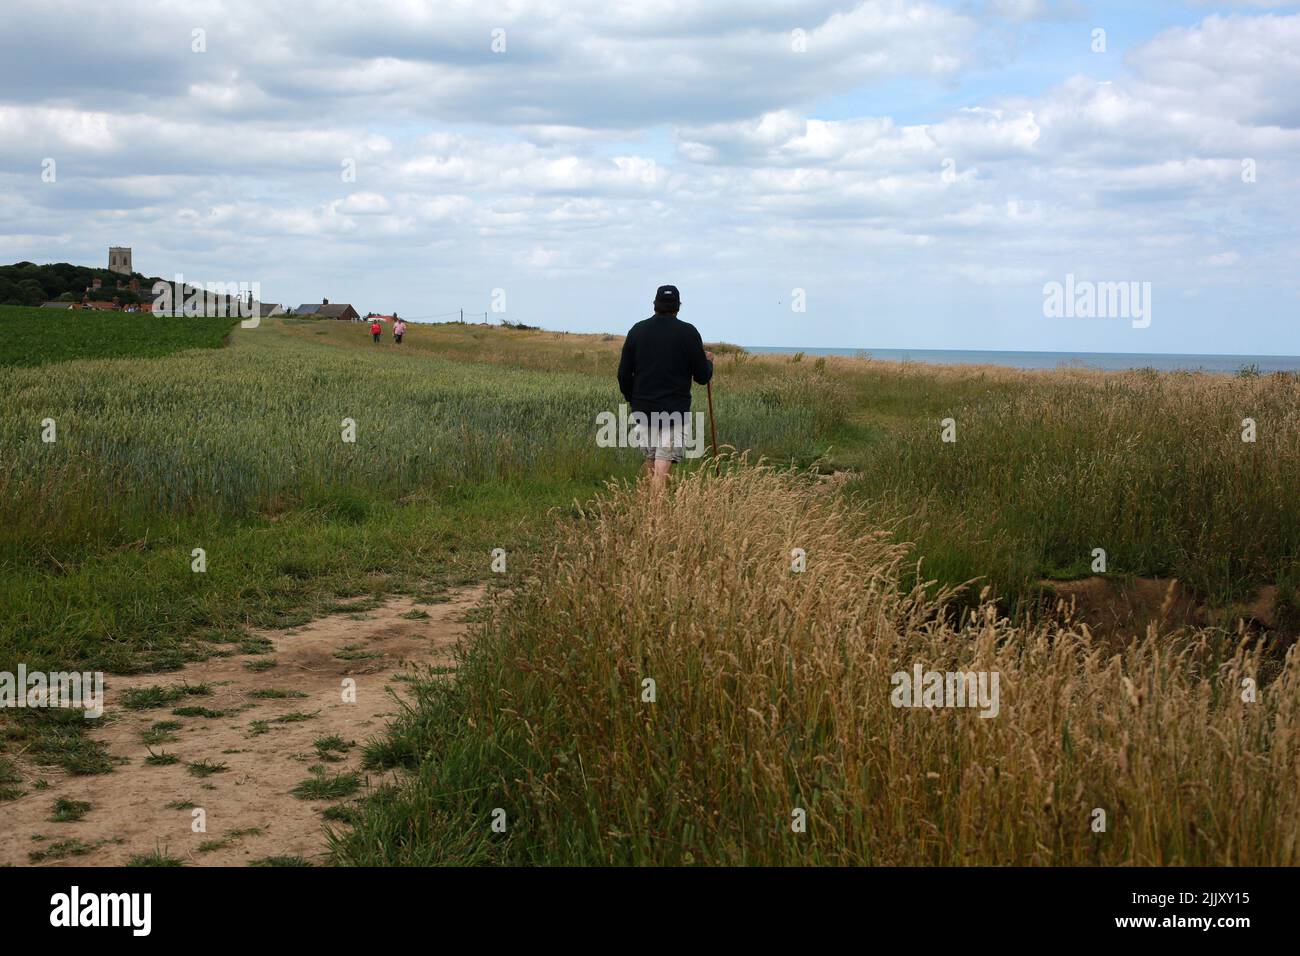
376 329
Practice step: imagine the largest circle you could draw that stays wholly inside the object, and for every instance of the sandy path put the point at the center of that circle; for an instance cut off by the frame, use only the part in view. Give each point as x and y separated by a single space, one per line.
129 812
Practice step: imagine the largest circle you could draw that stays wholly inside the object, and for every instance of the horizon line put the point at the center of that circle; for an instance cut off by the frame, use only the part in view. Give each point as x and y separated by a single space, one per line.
1026 351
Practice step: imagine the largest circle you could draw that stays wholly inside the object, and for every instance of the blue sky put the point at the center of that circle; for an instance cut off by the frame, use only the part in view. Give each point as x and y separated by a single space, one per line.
920 170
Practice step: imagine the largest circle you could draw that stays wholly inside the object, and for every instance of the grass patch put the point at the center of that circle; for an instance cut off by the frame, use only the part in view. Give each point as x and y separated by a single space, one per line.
279 861
9 780
205 768
355 652
145 698
161 732
156 858
356 607
56 737
194 711
69 811
230 839
332 748
323 786
342 813
61 850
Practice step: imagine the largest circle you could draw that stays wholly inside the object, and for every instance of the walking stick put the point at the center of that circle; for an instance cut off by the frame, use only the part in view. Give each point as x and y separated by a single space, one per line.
713 428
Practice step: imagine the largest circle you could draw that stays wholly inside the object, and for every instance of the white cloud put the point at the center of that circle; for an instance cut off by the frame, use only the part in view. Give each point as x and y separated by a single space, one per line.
364 204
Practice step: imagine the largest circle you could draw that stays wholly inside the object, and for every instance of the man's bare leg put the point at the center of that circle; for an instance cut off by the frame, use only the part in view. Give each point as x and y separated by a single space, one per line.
659 475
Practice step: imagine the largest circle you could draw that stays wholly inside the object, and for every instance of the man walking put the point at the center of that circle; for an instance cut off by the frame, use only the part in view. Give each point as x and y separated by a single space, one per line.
661 355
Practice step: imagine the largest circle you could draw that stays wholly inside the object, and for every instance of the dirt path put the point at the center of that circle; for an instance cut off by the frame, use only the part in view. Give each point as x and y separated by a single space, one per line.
250 812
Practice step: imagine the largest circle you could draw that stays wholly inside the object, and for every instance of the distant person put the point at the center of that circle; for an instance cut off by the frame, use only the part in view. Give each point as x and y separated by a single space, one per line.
376 330
399 329
661 355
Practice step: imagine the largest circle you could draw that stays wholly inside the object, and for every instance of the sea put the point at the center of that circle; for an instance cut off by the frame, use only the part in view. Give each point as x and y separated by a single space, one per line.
1106 361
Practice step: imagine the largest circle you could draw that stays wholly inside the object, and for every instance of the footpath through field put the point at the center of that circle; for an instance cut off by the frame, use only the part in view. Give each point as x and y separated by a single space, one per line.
270 747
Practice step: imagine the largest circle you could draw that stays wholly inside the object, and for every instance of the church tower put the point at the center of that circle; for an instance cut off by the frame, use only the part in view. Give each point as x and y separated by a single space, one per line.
119 259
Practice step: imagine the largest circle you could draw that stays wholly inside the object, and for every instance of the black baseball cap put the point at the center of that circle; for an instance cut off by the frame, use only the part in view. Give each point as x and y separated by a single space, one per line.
667 298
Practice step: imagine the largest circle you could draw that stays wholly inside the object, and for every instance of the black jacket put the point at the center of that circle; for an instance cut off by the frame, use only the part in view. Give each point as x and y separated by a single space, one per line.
660 357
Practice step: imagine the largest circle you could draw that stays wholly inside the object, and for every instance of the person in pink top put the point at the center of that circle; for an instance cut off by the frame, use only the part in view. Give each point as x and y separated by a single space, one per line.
399 327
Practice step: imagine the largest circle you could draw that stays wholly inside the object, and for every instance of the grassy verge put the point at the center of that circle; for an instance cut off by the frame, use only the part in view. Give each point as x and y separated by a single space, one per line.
669 691
1150 468
141 607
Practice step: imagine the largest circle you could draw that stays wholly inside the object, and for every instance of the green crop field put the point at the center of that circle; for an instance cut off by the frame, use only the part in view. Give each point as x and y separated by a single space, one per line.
312 466
155 456
33 336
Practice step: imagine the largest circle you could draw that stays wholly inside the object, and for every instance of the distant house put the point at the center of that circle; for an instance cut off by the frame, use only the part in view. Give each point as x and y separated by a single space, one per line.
338 311
327 311
56 305
267 309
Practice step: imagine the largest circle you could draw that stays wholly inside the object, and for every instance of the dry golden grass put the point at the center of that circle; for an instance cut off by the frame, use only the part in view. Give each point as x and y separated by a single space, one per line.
772 693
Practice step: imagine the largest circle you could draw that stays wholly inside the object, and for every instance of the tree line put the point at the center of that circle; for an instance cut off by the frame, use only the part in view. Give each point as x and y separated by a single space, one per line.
25 283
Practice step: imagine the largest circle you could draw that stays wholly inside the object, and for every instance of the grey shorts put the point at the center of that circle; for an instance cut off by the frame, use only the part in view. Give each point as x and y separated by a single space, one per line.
662 440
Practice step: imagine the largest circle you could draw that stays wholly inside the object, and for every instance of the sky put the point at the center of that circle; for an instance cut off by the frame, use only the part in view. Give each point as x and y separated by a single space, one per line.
825 173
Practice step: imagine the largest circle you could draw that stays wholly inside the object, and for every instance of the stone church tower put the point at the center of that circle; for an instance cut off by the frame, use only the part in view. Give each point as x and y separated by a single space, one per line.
119 259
